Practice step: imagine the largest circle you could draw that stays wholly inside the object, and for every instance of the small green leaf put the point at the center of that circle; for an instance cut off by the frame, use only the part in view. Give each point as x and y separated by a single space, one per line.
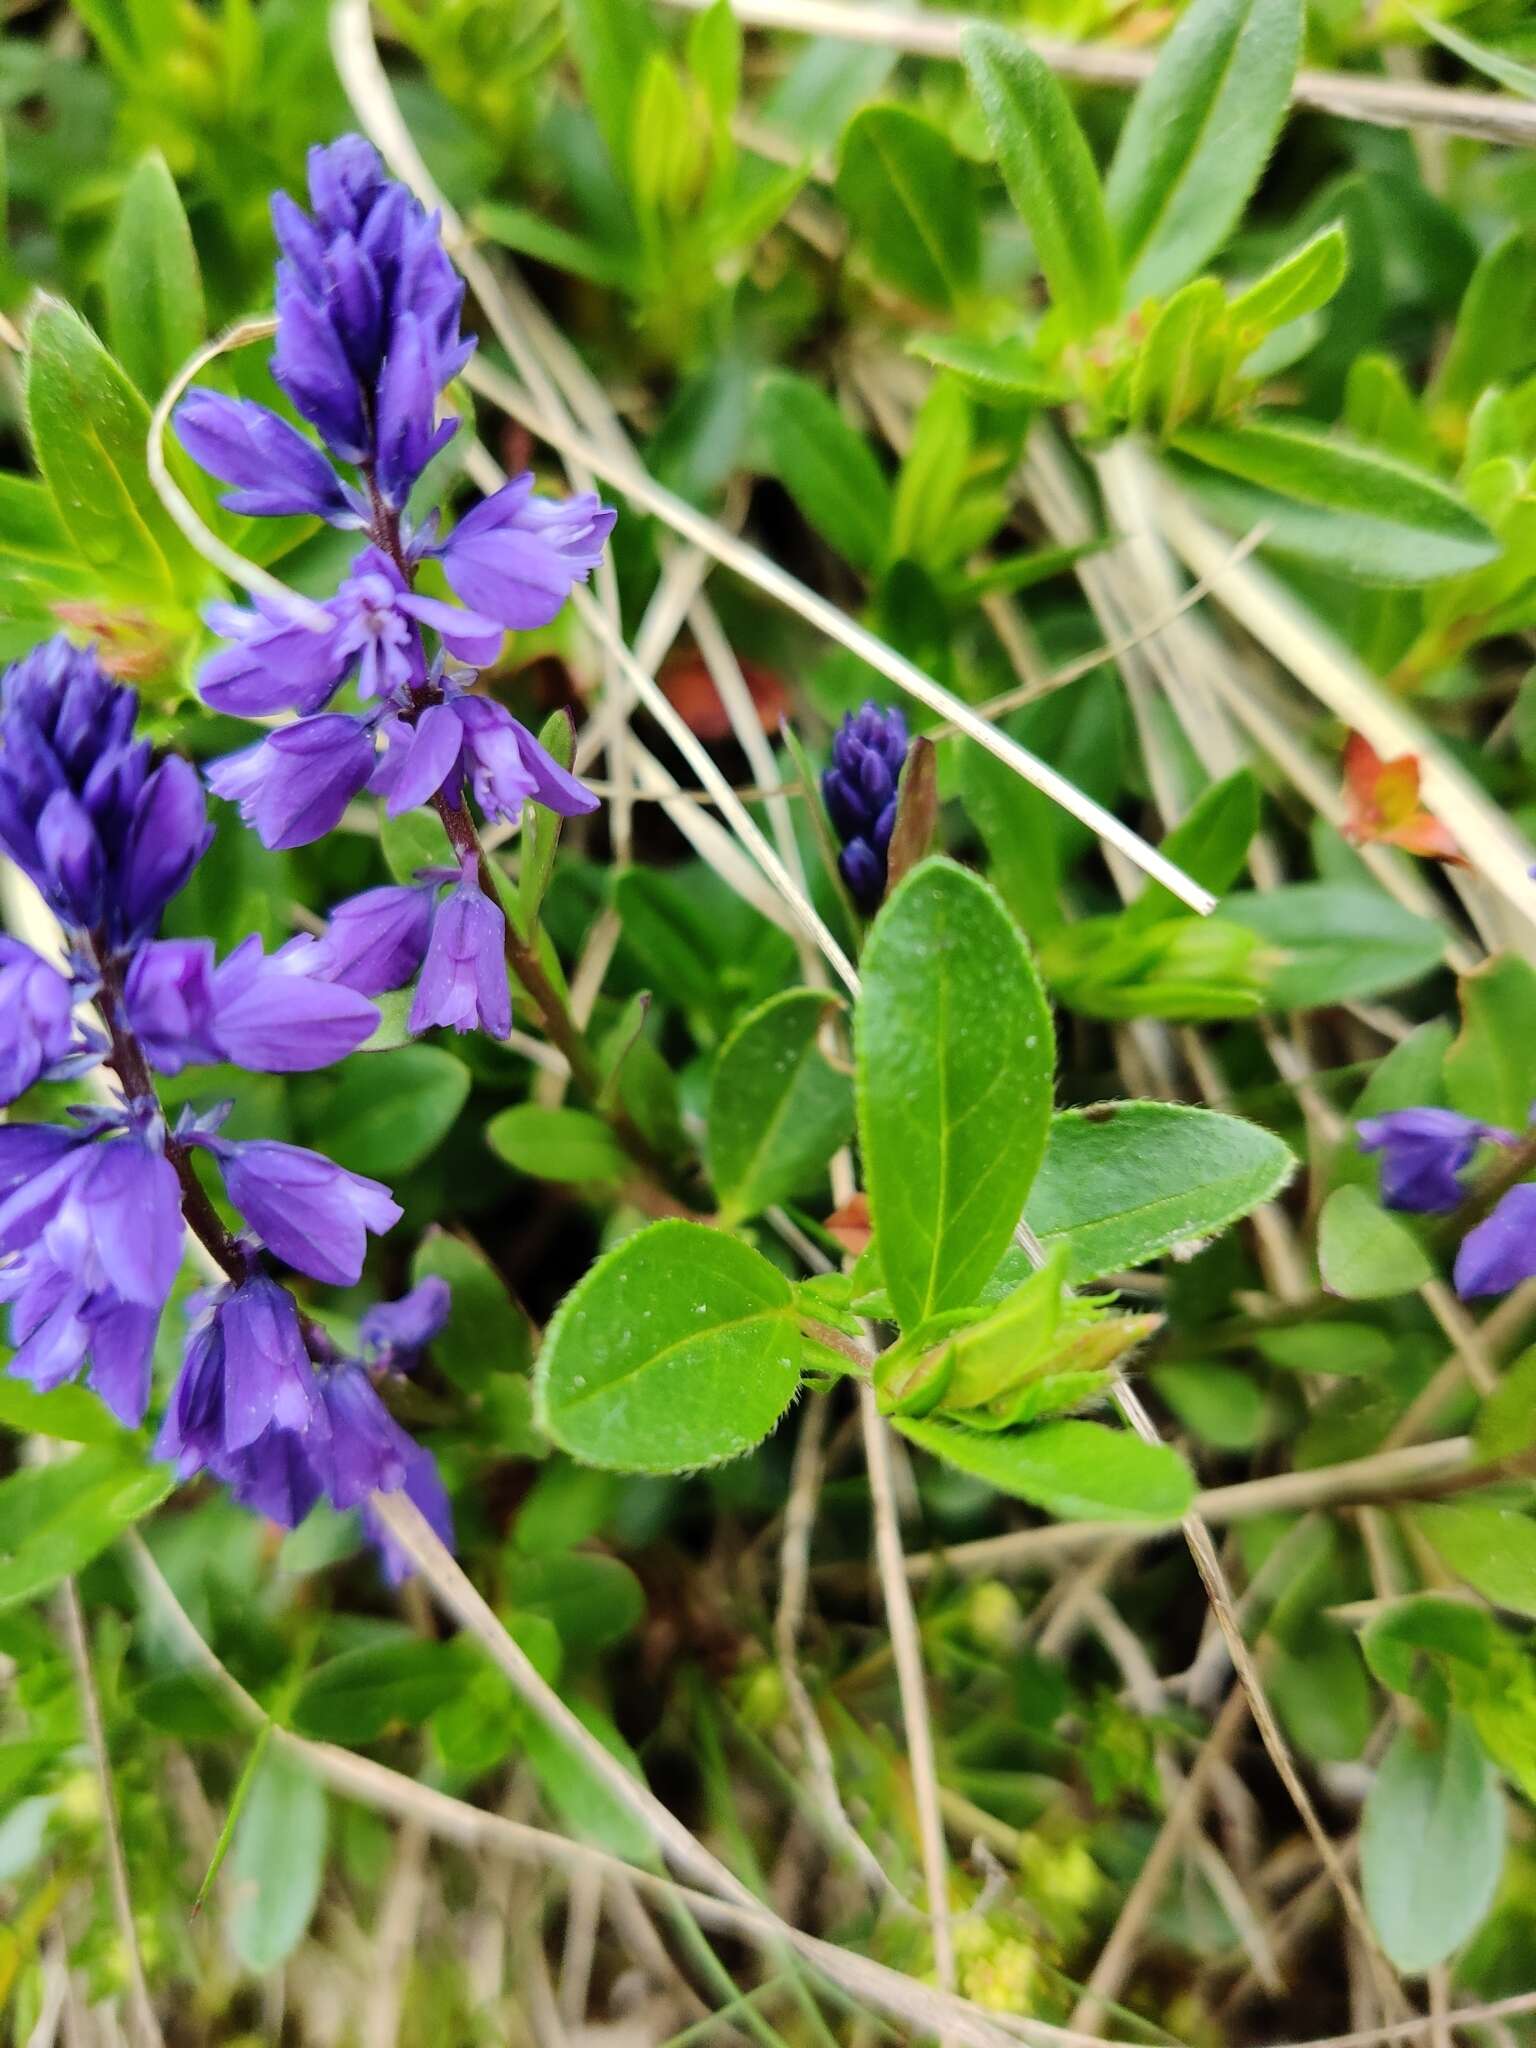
383 1113
1077 1471
358 1695
69 1413
1210 843
592 1601
1124 1182
487 1336
1365 1254
678 1349
1050 175
154 288
1506 71
777 1110
1348 1350
1222 1406
1198 136
1431 1843
611 42
1298 284
1023 856
89 430
541 826
911 202
1492 1548
1494 340
1490 1070
1506 1422
955 1063
1336 942
827 468
558 1144
55 1518
1358 511
276 1863
994 370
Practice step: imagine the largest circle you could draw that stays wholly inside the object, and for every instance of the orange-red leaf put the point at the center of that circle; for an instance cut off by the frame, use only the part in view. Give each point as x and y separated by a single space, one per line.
1384 806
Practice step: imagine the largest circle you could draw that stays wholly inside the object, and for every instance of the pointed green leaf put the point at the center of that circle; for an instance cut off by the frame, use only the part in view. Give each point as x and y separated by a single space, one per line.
825 465
276 1863
1365 1254
1077 1471
153 285
911 202
777 1109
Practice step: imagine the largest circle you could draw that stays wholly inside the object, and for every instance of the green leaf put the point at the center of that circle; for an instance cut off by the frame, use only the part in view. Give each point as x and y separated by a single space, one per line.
487 1336
1198 136
383 1113
911 202
777 1110
1505 71
558 1144
1365 1254
1210 843
1431 1843
276 1863
827 468
1347 1350
1126 1181
541 826
70 1413
955 1058
1360 512
1298 284
1336 942
1183 361
55 1518
592 1601
1050 175
1492 1548
611 42
1494 340
154 289
89 430
355 1697
529 233
1428 1626
714 58
678 1349
993 369
1222 1406
1077 1471
1321 1691
1023 858
1506 1422
1490 1070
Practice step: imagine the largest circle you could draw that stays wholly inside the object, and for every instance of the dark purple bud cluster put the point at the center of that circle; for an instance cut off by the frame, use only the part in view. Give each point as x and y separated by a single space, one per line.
368 336
1423 1155
92 1213
859 790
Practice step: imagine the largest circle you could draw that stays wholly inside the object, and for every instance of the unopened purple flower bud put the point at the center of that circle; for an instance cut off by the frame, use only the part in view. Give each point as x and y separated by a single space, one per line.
293 786
419 758
859 790
167 838
277 472
310 1213
516 556
1422 1153
1501 1251
376 941
246 1371
464 980
396 1329
168 999
407 436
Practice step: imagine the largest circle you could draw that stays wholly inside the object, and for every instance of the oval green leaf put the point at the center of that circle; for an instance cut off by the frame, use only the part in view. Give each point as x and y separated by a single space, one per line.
912 205
276 1863
777 1109
1335 942
1431 1843
1363 1253
1077 1471
678 1349
1126 1181
558 1144
359 1694
955 1062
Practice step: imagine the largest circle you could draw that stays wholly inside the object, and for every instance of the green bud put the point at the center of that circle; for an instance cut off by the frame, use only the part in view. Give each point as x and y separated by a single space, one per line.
1184 969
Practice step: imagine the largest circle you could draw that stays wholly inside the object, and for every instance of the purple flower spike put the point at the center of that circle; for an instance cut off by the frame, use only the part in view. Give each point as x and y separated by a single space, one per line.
398 1329
36 1028
293 786
246 1372
313 1215
1422 1153
516 556
464 981
276 471
1501 1251
376 941
859 790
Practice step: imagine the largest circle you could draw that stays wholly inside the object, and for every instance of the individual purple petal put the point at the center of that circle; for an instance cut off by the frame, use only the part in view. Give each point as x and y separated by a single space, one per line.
1422 1153
169 835
407 438
311 364
278 472
465 634
122 1343
36 1025
168 999
464 980
281 657
120 1224
1501 1251
71 857
365 1448
277 1017
275 1476
424 1488
376 941
420 759
310 1213
27 1151
516 556
409 1324
293 786
863 869
552 786
268 1379
49 1331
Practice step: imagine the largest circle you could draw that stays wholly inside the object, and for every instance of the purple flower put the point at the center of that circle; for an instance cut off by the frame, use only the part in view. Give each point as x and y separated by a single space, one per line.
516 556
859 790
246 1371
424 1488
407 438
275 1476
420 759
1422 1153
280 658
313 1215
36 1027
168 1001
506 764
91 1241
376 941
107 838
1501 1251
276 1016
276 470
365 1448
464 981
293 786
398 1329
